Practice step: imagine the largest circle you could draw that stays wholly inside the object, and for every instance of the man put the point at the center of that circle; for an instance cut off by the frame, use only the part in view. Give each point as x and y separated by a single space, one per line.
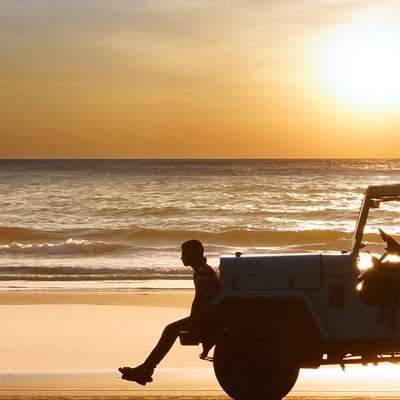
206 285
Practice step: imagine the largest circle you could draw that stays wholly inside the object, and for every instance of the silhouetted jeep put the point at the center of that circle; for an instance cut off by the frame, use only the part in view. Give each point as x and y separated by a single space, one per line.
292 311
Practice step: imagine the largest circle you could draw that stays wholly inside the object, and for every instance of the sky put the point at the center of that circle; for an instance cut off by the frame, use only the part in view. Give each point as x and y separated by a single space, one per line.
199 79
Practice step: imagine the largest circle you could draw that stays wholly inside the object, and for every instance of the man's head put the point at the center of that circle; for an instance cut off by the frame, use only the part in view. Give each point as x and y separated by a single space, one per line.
192 253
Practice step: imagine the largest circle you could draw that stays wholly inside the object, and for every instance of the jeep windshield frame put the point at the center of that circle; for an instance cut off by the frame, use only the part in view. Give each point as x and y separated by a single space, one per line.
374 195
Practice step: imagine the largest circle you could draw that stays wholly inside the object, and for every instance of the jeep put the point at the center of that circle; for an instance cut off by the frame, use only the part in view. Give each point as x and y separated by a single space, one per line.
278 313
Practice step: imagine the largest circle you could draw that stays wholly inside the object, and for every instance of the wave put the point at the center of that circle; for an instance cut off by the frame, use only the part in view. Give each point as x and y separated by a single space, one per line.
70 246
142 241
15 234
62 273
239 237
72 241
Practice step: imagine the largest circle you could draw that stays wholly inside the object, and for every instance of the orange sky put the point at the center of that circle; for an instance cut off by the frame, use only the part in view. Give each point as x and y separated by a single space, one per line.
199 78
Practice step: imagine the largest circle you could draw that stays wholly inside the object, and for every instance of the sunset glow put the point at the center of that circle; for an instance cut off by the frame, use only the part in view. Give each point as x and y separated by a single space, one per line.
199 79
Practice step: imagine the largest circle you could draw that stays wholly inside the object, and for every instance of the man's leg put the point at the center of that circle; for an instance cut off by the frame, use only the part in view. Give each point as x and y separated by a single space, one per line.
168 337
143 373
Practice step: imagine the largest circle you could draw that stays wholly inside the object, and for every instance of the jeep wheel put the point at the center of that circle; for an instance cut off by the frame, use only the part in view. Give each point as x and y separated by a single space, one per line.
255 360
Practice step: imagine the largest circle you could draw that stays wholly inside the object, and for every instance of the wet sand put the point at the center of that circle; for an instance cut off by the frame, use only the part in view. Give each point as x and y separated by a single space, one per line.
69 346
185 384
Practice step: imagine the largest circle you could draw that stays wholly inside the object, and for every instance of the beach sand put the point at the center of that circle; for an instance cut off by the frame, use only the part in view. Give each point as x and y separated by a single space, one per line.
69 345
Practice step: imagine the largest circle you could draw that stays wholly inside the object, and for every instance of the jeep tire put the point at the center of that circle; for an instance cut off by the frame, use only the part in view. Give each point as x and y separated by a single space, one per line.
256 360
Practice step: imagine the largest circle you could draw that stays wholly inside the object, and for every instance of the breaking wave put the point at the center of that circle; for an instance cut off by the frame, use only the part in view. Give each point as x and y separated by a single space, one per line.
67 273
121 241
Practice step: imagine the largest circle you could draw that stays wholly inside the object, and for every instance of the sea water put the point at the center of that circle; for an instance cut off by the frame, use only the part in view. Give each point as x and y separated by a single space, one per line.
119 224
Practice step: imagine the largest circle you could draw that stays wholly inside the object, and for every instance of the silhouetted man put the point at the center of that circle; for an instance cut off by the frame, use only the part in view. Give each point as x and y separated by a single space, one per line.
206 285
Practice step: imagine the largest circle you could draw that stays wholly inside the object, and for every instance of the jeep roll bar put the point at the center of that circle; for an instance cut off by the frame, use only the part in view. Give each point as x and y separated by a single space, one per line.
374 195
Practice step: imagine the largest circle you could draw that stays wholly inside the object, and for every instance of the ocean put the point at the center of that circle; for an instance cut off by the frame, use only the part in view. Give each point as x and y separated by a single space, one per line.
119 224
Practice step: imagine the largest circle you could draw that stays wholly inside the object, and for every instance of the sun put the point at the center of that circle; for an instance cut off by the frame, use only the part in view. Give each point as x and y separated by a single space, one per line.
364 62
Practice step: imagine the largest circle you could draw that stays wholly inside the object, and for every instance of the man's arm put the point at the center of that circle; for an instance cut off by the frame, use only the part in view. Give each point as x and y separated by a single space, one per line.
201 286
